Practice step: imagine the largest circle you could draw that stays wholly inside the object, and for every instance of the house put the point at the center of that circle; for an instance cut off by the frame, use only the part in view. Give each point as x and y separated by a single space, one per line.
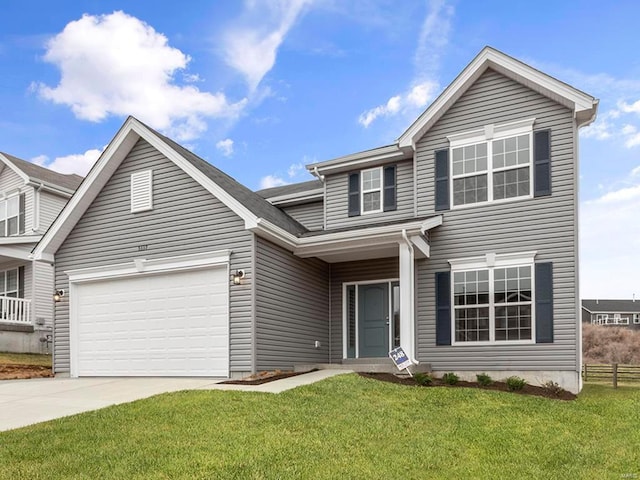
621 313
457 242
30 199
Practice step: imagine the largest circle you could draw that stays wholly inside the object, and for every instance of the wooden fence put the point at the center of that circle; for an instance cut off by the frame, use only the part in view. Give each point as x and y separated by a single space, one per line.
614 372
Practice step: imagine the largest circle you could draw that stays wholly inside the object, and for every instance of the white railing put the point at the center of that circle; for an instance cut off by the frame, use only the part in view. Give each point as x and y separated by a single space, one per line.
15 310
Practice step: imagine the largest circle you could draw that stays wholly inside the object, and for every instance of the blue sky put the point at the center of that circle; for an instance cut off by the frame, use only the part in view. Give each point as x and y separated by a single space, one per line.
260 88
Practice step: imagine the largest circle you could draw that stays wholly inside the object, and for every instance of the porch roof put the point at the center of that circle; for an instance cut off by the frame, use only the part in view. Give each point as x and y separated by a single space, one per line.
367 242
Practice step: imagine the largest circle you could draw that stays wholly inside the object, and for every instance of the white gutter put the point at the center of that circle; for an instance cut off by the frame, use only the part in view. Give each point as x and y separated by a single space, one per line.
36 208
50 187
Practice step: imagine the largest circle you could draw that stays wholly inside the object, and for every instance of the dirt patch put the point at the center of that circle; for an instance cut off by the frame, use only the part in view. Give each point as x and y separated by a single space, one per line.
13 372
499 386
264 377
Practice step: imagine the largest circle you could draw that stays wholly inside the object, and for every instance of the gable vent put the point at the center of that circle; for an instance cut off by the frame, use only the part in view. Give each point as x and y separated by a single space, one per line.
142 191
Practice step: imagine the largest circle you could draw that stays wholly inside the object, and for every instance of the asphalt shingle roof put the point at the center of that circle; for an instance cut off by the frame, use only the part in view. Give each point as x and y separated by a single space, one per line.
290 189
38 173
612 306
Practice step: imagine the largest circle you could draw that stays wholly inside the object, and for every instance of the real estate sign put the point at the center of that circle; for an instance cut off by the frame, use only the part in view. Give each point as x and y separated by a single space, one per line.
400 358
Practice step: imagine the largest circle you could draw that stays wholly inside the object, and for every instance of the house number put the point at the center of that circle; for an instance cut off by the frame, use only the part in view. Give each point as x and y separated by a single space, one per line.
143 248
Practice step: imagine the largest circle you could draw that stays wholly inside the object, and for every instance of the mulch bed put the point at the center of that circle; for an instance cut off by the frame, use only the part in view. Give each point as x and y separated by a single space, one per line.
15 372
499 386
263 377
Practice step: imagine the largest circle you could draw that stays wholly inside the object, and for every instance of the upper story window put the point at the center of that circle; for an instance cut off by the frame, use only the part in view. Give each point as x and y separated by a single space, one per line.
497 167
372 191
12 217
493 164
142 191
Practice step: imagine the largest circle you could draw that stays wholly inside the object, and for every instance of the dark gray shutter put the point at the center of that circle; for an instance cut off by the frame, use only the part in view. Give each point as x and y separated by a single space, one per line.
442 180
544 303
354 194
389 203
21 214
443 308
20 282
542 163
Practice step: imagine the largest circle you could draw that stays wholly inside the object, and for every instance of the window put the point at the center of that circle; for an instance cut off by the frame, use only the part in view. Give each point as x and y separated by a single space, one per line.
493 302
372 190
492 164
142 191
12 216
636 318
12 283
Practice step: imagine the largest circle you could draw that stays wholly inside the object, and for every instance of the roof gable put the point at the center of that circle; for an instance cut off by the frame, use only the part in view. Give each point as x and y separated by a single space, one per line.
31 172
583 105
249 206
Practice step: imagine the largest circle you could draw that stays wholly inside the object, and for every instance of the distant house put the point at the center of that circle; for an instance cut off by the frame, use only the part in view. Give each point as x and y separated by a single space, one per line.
621 313
31 197
457 242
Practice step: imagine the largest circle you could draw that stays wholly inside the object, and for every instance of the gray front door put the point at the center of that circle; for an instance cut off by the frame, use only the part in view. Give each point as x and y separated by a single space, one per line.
373 320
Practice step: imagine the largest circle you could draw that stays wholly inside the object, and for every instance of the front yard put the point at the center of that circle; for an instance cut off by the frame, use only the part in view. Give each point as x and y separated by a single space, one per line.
24 365
344 427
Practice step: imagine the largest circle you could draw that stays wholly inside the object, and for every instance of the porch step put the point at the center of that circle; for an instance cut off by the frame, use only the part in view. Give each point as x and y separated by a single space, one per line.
363 365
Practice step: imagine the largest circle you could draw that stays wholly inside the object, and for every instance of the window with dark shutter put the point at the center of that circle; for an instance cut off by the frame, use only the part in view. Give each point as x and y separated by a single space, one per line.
390 203
354 194
542 163
544 303
443 308
442 180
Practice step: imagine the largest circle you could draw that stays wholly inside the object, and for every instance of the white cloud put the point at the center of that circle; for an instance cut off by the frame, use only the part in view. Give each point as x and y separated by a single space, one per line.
225 146
416 97
295 169
79 163
118 65
272 181
610 242
251 48
432 40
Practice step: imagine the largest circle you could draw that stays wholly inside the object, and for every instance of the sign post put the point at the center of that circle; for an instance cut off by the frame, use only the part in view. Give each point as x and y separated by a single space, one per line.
401 359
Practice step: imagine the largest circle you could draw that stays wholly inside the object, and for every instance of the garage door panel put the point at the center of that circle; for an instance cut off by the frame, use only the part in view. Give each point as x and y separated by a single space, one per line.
175 324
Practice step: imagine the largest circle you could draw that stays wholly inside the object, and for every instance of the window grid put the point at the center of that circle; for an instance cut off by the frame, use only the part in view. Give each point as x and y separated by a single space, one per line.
493 305
10 216
372 190
9 283
507 175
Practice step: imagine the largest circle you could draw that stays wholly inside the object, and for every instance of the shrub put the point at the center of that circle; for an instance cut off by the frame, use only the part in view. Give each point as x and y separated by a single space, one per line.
553 387
450 378
516 383
484 379
606 344
422 378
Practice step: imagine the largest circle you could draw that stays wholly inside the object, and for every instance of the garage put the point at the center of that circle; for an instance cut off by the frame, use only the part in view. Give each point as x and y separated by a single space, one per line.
172 323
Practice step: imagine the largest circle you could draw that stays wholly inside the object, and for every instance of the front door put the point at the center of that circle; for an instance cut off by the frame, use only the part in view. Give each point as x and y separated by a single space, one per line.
373 320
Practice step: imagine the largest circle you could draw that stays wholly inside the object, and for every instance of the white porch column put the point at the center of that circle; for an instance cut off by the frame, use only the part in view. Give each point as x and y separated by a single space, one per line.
407 299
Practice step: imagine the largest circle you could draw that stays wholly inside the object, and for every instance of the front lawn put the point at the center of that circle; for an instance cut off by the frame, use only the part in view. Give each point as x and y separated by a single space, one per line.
343 427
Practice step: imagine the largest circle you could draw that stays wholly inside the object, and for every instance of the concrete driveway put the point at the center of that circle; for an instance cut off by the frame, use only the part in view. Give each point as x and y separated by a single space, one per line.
24 402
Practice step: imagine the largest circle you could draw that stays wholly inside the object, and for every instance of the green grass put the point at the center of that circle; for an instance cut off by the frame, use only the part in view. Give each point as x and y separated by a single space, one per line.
25 359
344 427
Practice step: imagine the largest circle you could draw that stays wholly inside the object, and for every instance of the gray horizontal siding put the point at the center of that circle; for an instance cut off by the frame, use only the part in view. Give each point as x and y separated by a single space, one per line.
311 215
337 190
292 308
546 225
185 219
43 292
50 207
361 271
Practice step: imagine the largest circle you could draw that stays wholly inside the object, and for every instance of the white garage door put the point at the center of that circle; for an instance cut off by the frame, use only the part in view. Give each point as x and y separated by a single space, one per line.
170 324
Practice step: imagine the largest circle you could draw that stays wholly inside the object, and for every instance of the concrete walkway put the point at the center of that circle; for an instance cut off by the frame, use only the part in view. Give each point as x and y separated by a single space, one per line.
25 402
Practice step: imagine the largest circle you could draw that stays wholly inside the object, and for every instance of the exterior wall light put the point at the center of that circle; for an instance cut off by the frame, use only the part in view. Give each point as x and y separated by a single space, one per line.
237 277
57 296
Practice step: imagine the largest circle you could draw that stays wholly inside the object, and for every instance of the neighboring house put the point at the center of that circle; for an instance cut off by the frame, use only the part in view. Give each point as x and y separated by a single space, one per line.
621 313
30 199
457 242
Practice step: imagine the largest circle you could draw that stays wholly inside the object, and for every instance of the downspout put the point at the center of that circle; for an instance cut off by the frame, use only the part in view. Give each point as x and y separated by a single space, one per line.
410 296
320 177
35 225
